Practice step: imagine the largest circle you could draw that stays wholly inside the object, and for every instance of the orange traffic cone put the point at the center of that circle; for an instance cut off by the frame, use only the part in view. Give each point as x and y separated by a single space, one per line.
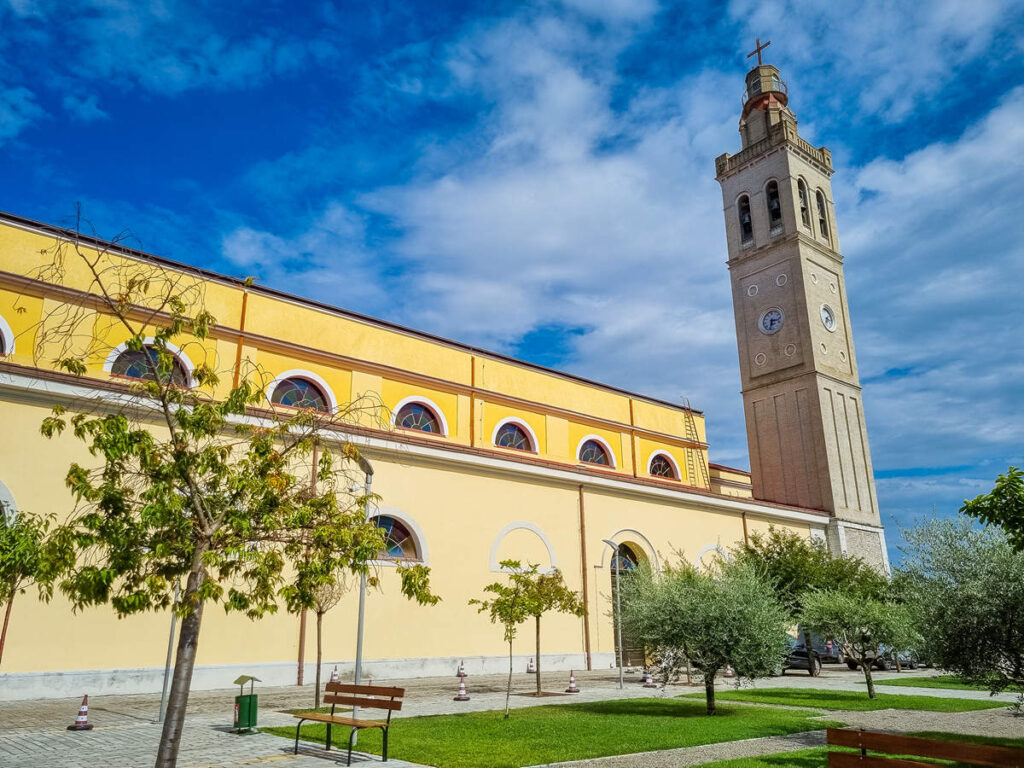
649 680
572 682
462 670
462 691
82 721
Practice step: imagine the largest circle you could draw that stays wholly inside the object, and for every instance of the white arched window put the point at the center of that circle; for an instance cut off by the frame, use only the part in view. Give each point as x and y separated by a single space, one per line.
421 415
516 434
6 338
593 449
143 364
404 540
302 389
662 464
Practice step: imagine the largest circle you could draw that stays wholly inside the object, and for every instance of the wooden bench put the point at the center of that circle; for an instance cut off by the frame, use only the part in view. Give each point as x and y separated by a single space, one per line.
897 744
365 696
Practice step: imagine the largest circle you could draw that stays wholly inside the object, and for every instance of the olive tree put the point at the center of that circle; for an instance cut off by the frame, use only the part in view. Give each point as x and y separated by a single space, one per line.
1002 506
859 624
244 502
969 593
727 615
797 564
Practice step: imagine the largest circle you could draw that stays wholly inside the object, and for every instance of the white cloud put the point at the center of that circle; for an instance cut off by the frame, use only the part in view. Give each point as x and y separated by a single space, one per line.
85 109
18 109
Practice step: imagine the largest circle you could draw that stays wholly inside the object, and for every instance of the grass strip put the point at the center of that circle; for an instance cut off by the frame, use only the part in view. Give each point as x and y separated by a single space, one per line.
949 682
852 700
548 734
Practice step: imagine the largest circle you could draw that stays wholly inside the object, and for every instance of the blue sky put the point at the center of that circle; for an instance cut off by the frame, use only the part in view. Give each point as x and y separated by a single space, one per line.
538 178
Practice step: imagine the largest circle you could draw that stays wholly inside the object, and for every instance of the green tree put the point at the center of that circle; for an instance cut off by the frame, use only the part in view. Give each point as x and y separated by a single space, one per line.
223 493
1002 506
510 608
724 616
858 623
797 564
968 587
22 559
325 597
543 593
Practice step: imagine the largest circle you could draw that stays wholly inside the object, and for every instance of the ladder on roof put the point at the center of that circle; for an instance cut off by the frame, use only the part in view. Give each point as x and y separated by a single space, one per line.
696 462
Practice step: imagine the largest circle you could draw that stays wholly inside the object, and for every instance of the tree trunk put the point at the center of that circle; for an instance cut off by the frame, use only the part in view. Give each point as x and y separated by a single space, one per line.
319 656
7 618
898 667
538 654
810 653
184 662
508 690
709 691
867 677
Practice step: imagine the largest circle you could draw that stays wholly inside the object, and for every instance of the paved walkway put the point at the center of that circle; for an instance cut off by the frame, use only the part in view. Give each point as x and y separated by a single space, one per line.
33 733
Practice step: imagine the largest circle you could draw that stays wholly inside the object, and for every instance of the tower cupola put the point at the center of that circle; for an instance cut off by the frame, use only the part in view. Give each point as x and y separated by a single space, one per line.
765 100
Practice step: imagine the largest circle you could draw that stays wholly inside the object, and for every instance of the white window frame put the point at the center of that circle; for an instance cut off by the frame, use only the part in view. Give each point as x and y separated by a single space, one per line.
414 529
426 402
302 373
670 459
186 363
8 336
534 442
604 443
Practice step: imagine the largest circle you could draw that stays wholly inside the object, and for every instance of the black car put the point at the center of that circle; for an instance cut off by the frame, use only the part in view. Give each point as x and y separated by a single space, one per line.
797 659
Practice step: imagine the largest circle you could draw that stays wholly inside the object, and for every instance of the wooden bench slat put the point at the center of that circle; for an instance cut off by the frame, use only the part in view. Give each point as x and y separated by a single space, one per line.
855 760
323 717
363 701
366 690
898 744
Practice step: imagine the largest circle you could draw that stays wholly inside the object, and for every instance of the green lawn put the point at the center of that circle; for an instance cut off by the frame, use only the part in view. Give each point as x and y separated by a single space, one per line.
818 758
949 682
850 700
546 734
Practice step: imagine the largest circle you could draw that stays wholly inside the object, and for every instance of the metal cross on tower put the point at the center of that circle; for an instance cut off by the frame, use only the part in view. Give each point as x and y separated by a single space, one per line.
758 50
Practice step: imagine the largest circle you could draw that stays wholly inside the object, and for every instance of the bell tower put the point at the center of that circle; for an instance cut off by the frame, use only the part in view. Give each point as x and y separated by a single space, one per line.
801 392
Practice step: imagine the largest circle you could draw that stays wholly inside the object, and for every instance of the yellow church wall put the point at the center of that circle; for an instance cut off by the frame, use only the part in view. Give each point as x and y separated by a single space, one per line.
646 449
22 313
577 432
272 365
493 413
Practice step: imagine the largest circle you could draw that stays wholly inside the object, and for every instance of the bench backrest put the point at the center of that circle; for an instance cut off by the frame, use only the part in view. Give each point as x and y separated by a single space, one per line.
366 696
897 744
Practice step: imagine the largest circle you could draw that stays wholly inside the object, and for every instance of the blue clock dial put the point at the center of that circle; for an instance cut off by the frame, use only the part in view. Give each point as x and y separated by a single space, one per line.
771 320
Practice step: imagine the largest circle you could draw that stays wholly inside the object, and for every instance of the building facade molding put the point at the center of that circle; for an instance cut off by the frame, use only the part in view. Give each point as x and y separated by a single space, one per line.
517 525
303 373
425 401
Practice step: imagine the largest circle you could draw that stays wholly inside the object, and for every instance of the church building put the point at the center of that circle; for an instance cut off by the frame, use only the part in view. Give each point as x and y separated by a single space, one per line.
480 457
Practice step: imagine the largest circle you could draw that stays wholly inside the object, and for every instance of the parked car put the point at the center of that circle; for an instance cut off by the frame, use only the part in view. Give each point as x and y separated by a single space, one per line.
797 659
887 660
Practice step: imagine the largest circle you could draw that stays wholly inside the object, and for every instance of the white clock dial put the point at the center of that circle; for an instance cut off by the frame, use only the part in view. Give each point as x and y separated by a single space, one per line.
771 321
828 317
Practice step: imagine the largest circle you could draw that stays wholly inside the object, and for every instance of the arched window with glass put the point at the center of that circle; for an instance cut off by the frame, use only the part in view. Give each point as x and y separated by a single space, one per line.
419 417
145 364
399 544
774 204
805 203
662 466
822 214
633 653
297 392
594 452
746 223
513 435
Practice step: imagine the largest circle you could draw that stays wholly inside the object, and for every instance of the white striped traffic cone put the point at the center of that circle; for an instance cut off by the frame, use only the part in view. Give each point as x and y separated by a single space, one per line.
462 696
649 680
531 669
334 674
729 671
572 682
82 721
462 670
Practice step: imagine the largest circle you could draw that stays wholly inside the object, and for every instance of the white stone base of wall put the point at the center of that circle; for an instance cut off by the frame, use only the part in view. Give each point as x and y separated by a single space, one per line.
75 683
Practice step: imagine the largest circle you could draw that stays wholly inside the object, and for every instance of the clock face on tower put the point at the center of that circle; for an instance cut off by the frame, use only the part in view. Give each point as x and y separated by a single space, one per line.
828 317
771 321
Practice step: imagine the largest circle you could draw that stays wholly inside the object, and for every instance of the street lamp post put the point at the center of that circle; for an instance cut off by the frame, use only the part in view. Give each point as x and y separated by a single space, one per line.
367 468
618 602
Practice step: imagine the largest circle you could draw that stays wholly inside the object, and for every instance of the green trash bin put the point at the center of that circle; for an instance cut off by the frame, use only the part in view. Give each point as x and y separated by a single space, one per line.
246 704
